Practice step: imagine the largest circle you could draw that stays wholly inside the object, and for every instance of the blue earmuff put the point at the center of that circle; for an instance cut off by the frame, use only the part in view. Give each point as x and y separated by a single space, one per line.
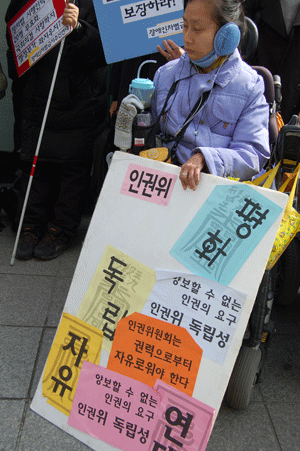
227 39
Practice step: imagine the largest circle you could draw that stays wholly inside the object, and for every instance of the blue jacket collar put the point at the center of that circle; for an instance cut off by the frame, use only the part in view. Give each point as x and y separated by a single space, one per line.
226 73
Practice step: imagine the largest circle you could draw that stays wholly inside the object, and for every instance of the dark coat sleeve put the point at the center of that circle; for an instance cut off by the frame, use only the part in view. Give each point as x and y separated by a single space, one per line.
115 80
86 37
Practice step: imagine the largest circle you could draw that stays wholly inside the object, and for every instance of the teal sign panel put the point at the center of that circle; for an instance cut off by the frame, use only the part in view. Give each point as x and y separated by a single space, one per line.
225 231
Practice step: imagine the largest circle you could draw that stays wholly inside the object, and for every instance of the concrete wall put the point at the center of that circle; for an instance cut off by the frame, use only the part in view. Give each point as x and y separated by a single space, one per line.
6 111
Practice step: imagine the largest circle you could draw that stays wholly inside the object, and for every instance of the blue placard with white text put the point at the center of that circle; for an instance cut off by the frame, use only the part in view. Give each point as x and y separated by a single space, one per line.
225 231
134 29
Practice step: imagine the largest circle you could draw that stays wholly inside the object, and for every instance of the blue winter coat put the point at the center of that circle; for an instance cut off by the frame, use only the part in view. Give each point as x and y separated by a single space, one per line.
232 129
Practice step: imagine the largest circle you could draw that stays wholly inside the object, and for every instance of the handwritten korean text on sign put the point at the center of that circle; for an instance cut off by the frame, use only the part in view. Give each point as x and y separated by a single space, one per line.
75 341
183 422
166 29
147 349
151 8
208 310
120 286
225 231
148 184
114 408
35 30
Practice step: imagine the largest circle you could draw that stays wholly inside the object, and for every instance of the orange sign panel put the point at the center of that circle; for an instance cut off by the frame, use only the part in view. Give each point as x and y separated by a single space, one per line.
147 349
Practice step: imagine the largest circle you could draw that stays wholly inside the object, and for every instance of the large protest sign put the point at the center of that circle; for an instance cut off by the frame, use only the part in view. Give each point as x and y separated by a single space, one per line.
133 233
133 29
35 30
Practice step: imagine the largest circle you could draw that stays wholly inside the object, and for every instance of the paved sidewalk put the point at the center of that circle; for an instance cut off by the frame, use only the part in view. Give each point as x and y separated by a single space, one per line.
32 297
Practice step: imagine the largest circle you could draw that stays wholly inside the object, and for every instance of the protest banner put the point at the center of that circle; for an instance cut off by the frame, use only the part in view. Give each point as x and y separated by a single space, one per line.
35 30
134 29
132 223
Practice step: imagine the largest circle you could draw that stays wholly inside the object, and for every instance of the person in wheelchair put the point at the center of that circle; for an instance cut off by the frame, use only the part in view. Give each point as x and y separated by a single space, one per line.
214 97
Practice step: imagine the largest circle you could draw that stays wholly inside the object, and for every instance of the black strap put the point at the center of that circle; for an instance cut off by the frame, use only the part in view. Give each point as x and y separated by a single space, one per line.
151 136
179 135
193 113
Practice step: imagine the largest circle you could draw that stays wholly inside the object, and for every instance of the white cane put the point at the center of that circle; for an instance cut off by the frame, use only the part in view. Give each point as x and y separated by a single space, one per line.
37 150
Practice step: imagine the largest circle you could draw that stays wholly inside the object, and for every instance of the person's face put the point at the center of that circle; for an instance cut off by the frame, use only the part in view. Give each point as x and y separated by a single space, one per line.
199 29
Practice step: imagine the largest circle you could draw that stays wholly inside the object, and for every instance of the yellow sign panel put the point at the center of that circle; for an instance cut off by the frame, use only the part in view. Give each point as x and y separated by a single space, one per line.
74 342
120 286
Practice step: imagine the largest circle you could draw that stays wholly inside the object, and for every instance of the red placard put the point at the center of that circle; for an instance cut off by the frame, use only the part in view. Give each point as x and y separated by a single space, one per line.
35 30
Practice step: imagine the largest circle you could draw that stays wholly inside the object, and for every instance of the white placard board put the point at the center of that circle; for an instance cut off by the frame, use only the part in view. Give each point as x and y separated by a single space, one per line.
147 231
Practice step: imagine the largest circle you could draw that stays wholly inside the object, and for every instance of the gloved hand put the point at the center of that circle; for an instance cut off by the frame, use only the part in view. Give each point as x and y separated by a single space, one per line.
126 114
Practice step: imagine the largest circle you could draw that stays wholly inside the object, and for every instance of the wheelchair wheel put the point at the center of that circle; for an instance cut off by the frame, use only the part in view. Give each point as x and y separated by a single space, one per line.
243 378
288 274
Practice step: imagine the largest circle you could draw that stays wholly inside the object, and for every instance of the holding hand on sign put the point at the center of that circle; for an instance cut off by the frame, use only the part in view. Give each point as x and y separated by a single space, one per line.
190 171
71 14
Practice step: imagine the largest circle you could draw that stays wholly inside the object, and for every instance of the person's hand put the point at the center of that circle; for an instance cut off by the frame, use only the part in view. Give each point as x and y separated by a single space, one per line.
172 51
113 107
190 171
70 15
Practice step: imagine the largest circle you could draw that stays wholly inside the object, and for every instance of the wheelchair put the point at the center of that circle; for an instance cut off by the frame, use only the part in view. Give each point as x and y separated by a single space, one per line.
279 284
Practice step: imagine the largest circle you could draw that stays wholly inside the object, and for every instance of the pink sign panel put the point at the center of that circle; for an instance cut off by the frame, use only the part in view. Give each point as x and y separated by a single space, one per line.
114 408
148 184
183 423
35 30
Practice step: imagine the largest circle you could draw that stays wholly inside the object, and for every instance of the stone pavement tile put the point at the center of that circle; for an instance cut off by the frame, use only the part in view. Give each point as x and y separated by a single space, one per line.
11 412
24 299
46 344
243 430
281 374
18 350
286 419
32 267
60 293
68 259
46 437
